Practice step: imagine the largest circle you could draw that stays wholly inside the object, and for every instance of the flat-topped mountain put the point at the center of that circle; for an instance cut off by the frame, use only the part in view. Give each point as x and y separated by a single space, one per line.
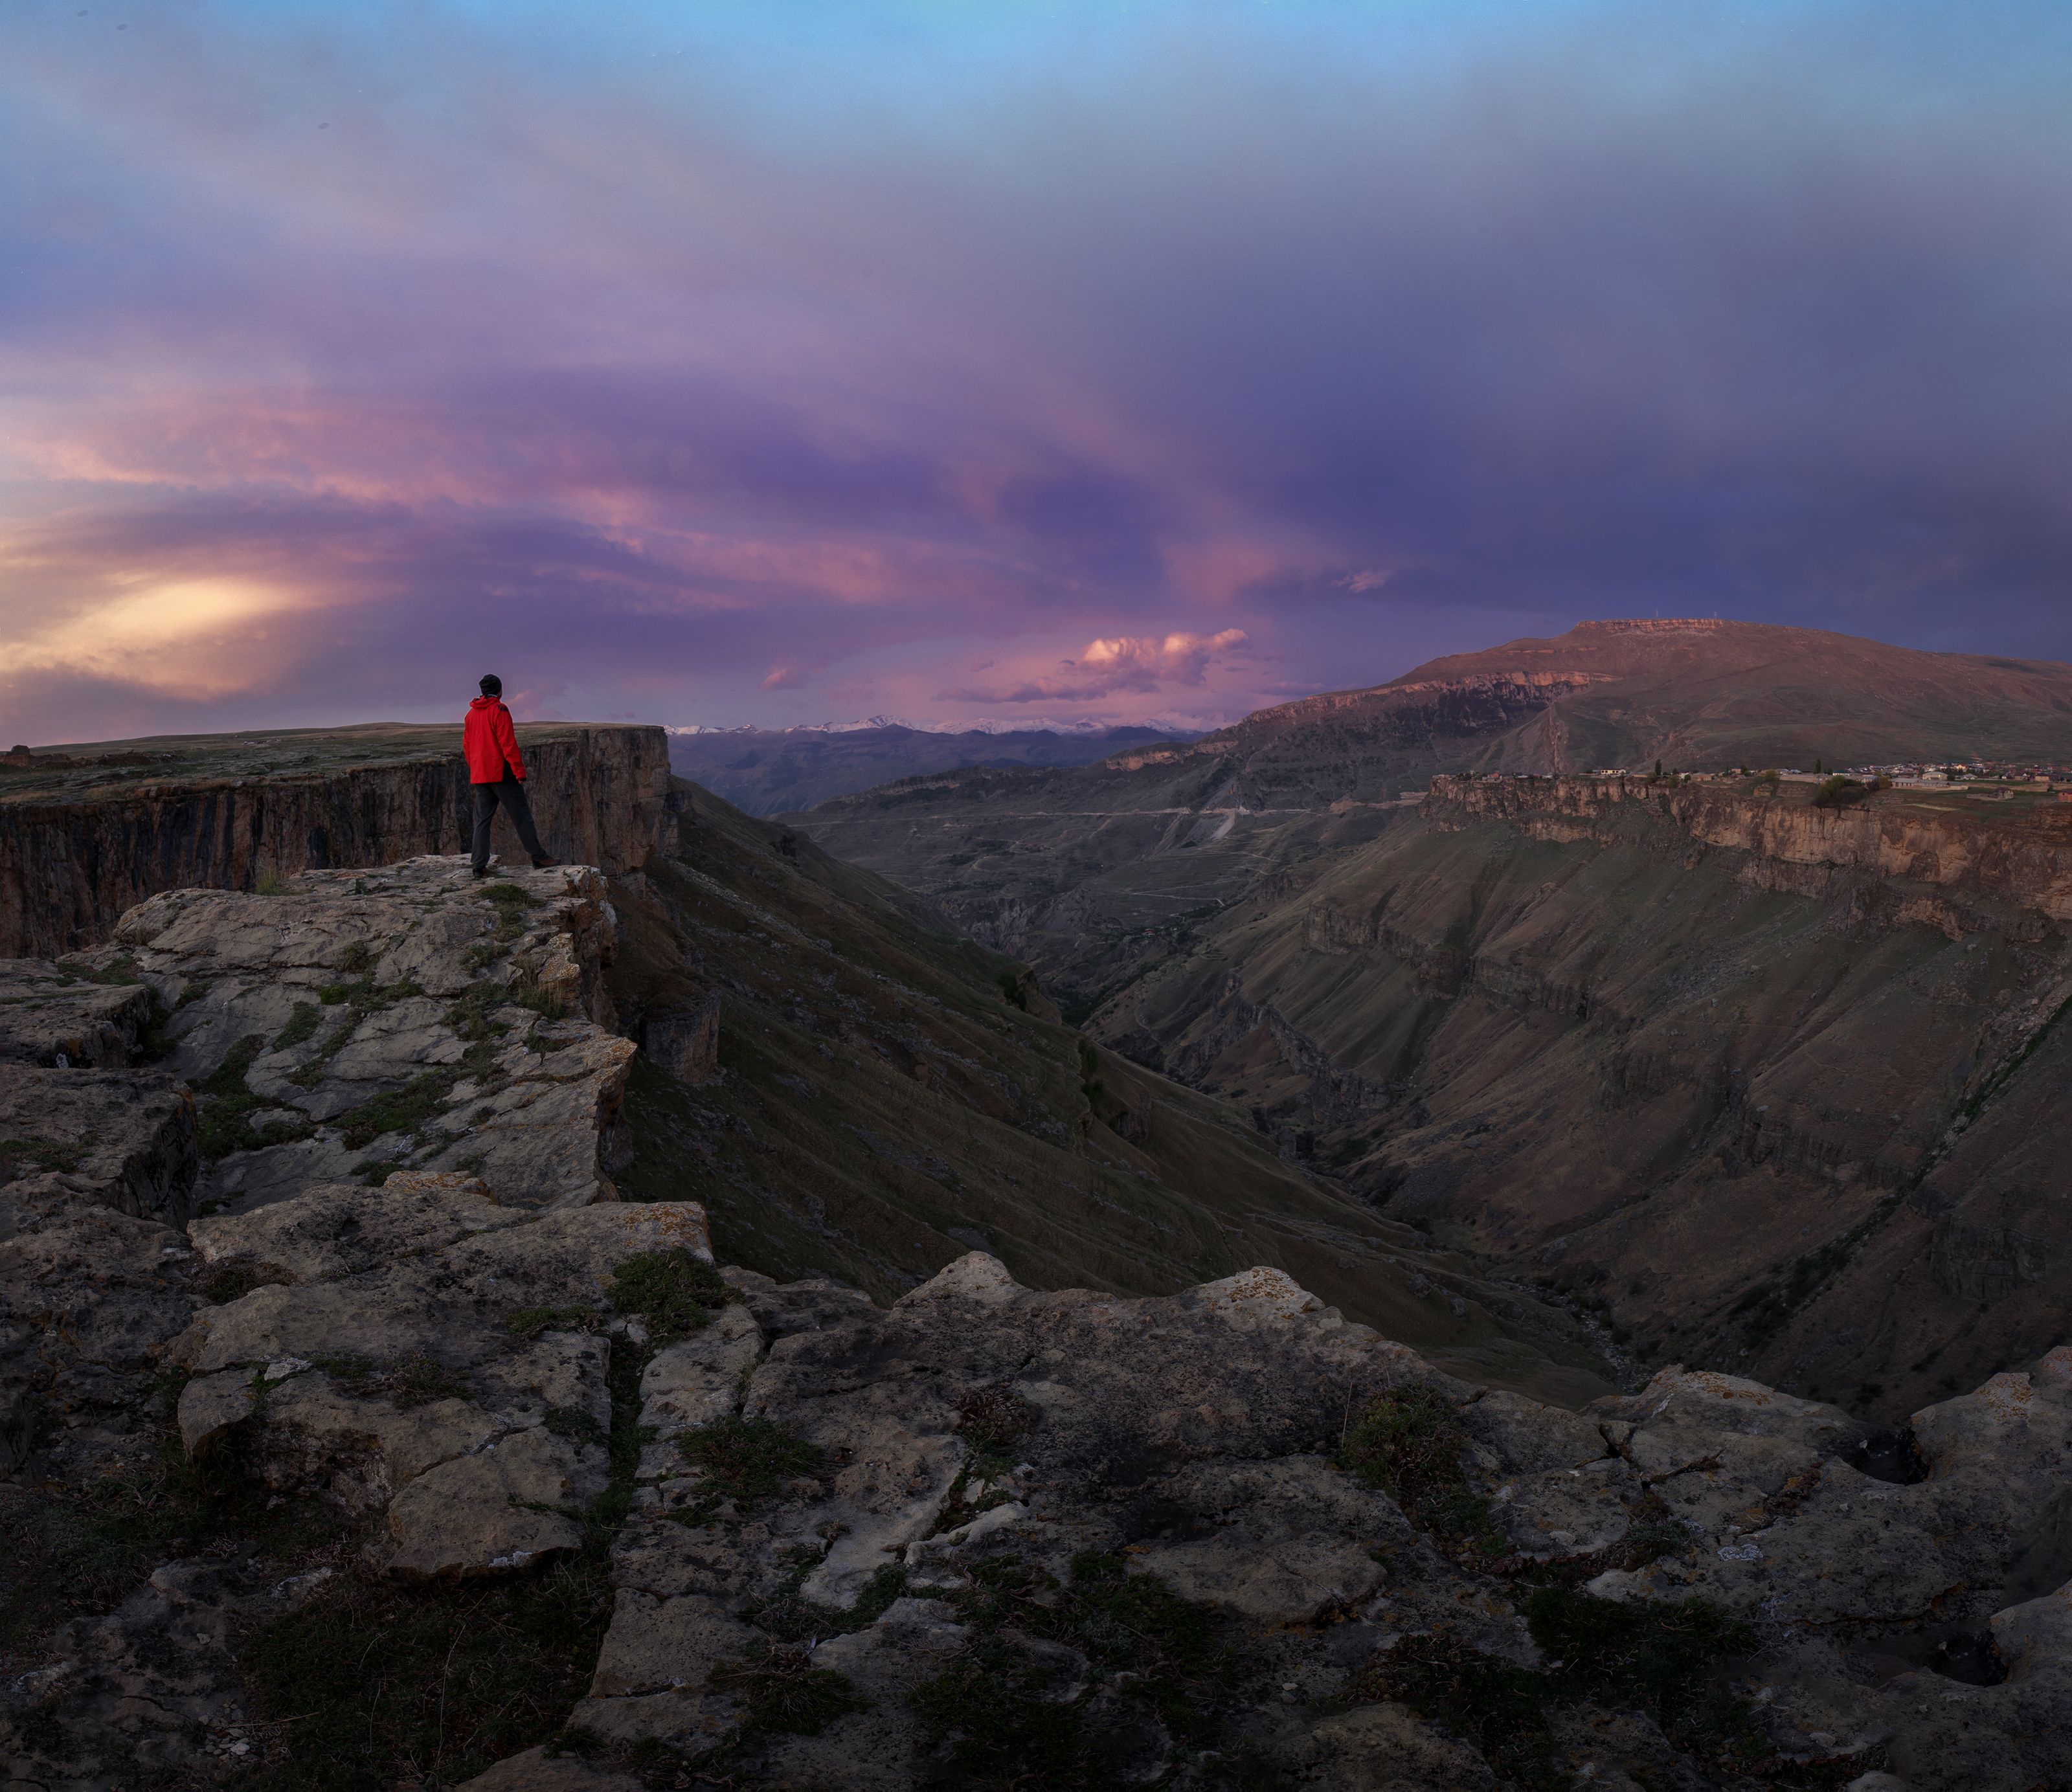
1694 694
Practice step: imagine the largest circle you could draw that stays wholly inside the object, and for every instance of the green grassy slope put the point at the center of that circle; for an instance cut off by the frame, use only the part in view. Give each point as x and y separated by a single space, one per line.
888 1102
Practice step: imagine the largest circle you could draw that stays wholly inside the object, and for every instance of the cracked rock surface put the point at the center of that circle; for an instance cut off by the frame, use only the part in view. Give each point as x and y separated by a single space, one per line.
1193 1441
413 1016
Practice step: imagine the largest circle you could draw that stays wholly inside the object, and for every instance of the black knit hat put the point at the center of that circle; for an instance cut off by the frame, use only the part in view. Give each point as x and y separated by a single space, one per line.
492 685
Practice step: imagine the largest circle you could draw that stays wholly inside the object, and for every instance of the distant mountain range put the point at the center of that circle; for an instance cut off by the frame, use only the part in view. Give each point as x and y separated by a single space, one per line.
1166 727
765 770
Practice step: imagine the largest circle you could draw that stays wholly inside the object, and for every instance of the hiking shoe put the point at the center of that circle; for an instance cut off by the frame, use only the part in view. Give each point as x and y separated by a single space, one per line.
543 863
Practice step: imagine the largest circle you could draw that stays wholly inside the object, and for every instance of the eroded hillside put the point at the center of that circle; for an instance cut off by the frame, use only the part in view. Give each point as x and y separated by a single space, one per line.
881 1097
1777 1084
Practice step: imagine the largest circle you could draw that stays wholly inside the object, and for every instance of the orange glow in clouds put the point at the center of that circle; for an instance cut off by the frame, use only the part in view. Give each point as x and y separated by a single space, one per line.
195 639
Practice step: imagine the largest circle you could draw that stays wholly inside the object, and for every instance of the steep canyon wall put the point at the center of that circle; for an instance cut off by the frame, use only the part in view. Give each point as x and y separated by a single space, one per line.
1961 872
1780 1086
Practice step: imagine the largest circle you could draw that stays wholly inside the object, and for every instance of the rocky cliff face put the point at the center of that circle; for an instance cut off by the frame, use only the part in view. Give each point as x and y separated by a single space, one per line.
1961 872
355 1428
71 863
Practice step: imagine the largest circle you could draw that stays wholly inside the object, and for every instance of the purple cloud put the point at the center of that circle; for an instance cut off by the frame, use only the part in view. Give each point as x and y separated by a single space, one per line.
770 366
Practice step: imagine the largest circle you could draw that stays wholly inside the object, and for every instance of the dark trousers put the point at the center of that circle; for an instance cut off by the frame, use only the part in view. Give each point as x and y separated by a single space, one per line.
511 793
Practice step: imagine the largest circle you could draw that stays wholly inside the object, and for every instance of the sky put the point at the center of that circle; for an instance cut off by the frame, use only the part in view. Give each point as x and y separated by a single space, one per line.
781 363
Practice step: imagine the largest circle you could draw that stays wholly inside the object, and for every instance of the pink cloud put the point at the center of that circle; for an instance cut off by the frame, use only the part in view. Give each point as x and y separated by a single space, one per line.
1119 663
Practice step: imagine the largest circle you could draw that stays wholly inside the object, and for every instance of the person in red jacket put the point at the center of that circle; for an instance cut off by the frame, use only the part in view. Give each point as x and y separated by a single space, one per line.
496 769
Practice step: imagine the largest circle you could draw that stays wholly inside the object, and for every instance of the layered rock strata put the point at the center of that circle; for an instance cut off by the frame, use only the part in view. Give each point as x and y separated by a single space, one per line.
1959 873
1776 1085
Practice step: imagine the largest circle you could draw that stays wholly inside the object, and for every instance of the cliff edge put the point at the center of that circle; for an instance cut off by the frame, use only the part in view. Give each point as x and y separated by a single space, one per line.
86 832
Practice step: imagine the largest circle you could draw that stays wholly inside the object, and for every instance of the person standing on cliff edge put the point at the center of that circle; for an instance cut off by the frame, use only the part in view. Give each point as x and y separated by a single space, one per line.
496 769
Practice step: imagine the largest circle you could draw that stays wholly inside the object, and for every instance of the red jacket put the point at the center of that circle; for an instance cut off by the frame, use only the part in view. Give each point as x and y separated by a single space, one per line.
491 742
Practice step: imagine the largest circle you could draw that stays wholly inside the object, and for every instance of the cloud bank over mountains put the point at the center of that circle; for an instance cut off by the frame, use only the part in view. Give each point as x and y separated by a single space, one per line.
764 365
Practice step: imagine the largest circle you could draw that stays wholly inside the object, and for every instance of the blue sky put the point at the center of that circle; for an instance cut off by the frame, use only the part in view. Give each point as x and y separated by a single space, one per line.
779 362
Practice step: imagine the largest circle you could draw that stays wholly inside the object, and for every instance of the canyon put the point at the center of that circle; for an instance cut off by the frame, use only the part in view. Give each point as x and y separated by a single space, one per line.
1775 1084
765 770
381 1409
1352 1255
1768 1081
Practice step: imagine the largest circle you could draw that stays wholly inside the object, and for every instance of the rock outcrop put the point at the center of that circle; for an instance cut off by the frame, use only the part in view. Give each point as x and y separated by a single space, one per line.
413 1016
1139 1542
419 1353
71 862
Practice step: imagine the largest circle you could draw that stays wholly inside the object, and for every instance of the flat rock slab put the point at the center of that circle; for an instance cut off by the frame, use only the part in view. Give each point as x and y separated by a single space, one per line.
355 1023
94 1164
125 1139
425 1354
61 1015
341 1229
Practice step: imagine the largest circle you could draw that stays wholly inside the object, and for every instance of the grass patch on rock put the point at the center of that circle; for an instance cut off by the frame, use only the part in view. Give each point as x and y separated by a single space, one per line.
86 1548
302 1025
374 1684
413 1379
233 1278
1666 1659
401 1110
745 1460
784 1693
531 1323
226 1104
789 1616
24 1157
512 903
1000 1715
672 1293
1408 1444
